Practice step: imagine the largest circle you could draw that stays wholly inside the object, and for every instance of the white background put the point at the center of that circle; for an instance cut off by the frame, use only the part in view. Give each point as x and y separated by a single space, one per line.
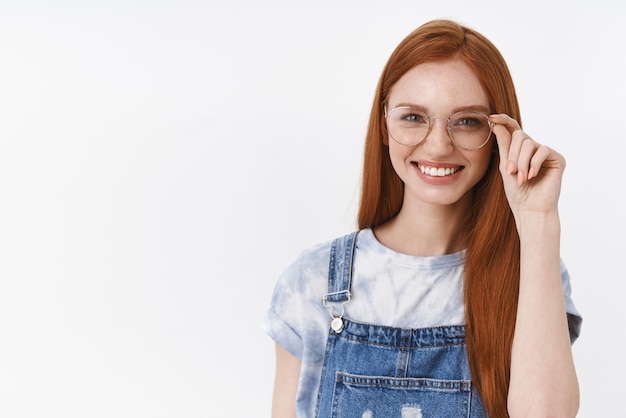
162 161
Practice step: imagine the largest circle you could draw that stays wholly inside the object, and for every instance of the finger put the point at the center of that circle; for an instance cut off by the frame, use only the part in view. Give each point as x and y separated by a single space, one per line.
504 128
539 157
518 139
506 121
503 138
526 154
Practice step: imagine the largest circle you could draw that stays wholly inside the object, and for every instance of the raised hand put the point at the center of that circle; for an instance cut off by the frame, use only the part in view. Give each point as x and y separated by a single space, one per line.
531 172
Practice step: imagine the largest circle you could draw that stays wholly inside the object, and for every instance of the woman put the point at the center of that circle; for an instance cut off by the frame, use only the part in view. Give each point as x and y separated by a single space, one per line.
451 299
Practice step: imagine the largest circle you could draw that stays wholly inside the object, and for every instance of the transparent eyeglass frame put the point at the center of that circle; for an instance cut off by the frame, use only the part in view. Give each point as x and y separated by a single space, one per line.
430 125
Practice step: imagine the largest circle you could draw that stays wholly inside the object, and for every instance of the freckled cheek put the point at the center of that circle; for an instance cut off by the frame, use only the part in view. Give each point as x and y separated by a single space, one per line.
399 157
400 153
481 162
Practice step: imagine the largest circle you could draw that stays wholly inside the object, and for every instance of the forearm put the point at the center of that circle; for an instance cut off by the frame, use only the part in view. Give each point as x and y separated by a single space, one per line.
543 378
285 384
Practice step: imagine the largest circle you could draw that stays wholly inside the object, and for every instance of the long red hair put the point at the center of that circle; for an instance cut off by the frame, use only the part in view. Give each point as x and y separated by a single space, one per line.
491 283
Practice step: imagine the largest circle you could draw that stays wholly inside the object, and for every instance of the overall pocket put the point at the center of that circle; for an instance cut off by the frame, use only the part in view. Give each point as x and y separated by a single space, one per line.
360 397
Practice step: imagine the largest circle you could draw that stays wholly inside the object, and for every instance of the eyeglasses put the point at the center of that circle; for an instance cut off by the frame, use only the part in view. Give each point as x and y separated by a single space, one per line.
409 126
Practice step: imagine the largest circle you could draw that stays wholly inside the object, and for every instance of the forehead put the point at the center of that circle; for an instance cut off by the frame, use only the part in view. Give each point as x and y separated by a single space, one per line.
441 85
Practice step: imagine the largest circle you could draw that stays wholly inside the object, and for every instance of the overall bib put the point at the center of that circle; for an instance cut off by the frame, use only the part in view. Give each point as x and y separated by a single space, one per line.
373 371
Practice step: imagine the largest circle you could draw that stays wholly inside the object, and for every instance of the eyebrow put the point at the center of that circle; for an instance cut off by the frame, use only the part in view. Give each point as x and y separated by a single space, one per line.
470 108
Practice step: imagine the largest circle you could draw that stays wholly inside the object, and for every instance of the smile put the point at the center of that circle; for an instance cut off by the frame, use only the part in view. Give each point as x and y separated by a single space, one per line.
438 172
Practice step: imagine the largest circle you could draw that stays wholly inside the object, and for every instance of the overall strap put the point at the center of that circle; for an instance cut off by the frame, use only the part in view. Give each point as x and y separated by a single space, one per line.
339 278
340 268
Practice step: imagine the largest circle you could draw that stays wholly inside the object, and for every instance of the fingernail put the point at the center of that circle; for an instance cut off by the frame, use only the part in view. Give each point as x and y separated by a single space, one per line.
510 168
531 173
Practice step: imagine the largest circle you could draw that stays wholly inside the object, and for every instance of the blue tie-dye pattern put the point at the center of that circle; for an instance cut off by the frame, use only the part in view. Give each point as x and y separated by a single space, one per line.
388 288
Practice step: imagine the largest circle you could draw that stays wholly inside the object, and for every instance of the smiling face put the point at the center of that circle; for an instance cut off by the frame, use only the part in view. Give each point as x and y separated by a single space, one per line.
436 171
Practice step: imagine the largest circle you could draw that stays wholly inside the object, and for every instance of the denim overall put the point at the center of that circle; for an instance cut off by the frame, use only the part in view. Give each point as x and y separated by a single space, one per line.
373 371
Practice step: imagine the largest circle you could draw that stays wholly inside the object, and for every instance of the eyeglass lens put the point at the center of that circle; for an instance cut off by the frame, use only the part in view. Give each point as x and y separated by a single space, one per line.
410 126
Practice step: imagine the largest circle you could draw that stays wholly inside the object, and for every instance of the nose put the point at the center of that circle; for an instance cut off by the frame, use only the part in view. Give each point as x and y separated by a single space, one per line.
438 138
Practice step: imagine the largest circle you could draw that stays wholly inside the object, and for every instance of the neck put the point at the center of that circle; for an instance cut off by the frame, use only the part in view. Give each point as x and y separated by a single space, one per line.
427 230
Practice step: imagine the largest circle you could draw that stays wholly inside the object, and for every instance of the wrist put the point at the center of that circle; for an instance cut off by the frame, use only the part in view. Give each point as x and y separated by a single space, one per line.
538 224
540 245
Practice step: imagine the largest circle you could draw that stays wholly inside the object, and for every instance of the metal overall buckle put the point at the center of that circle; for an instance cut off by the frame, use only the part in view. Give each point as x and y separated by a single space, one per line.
337 320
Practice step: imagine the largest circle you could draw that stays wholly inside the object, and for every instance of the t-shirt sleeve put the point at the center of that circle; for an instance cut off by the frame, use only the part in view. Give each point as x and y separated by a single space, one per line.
282 320
574 318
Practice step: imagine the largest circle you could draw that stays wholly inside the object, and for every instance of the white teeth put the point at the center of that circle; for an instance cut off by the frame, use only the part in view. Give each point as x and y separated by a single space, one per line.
438 172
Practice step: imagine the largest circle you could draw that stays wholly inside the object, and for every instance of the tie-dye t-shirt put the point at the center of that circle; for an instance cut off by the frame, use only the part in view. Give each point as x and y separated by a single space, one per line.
388 288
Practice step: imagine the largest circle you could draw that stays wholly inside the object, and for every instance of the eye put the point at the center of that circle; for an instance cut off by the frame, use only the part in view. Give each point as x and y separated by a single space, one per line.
412 116
469 121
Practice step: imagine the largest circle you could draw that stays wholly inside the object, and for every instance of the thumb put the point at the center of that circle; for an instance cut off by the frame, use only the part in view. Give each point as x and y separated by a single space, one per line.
503 142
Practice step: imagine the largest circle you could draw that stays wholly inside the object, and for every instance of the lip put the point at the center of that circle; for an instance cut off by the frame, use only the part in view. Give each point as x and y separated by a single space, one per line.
437 180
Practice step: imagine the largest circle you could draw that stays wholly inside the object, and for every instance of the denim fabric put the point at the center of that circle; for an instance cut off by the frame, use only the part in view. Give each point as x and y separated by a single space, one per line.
380 372
387 288
372 371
